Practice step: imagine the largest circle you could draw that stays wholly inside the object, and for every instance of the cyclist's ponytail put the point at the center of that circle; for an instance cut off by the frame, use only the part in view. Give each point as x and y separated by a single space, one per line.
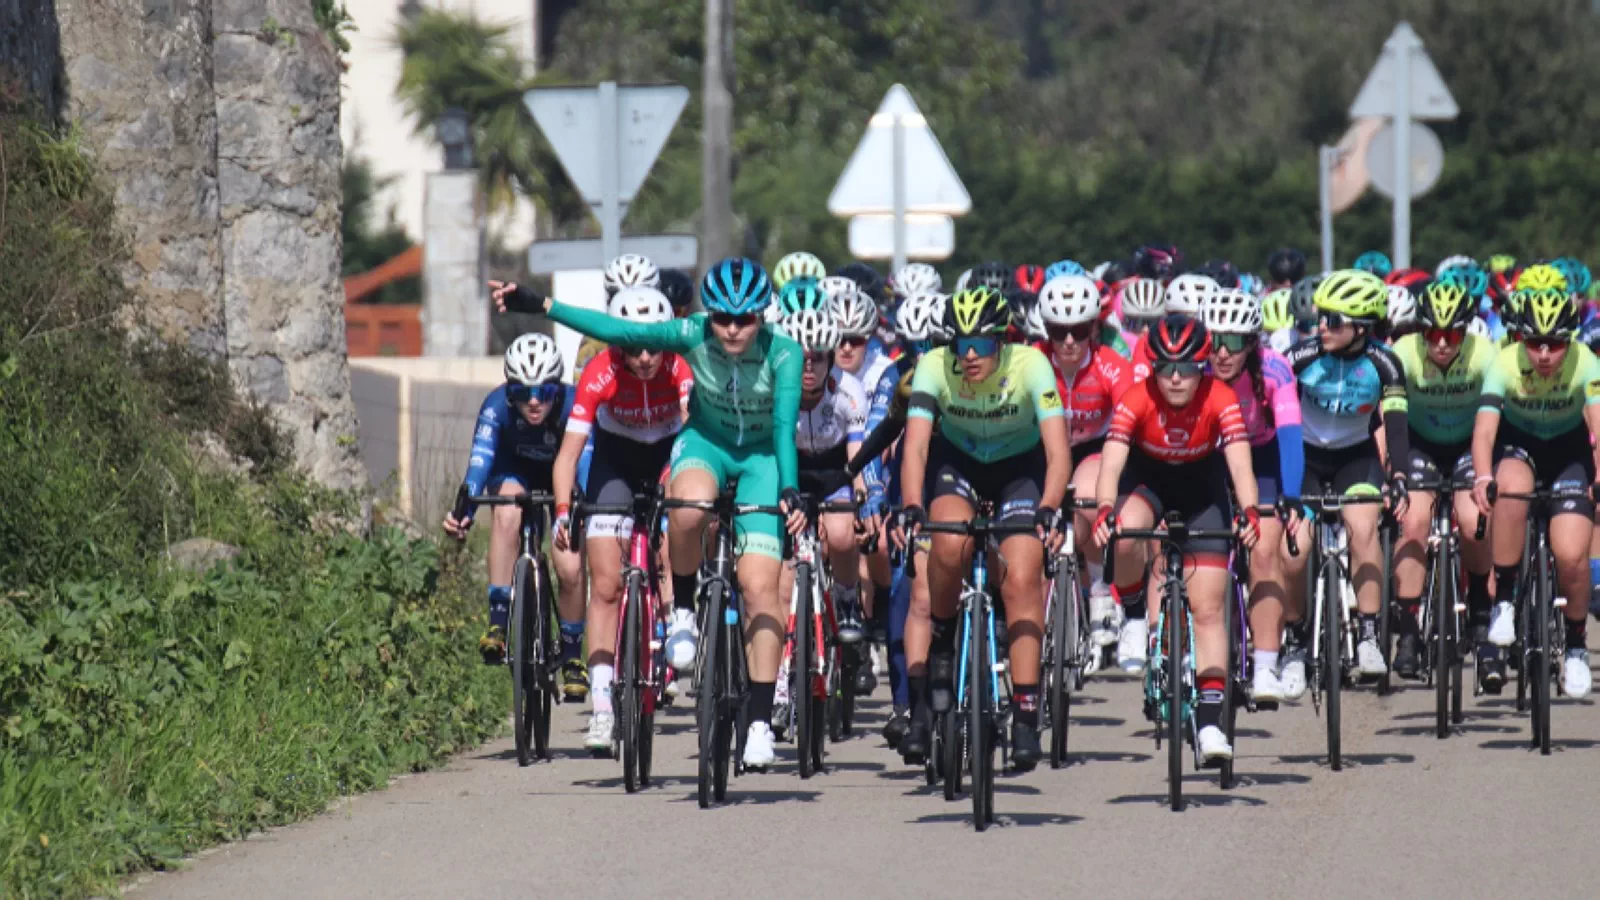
1252 367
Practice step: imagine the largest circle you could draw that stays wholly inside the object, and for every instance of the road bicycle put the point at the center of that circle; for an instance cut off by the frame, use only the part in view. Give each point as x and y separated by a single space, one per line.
1444 608
532 653
1070 653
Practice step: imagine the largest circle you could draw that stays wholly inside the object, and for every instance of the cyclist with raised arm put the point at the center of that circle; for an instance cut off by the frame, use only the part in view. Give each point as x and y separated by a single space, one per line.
743 410
519 426
629 402
1540 407
1269 402
625 271
1444 368
1346 380
1001 438
1160 455
1091 379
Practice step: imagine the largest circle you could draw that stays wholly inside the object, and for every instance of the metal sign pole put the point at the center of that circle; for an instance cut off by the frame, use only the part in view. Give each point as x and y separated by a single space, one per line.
610 212
1326 158
899 194
1402 153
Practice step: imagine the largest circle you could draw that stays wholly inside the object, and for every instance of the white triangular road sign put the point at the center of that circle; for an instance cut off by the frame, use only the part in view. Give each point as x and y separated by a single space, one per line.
931 183
1430 99
570 120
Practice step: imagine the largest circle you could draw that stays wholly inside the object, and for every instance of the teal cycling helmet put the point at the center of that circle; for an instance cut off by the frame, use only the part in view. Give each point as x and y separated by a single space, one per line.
801 293
1578 276
1374 261
1469 276
737 286
1063 267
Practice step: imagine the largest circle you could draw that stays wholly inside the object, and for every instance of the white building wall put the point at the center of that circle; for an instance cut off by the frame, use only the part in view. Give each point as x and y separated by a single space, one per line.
386 134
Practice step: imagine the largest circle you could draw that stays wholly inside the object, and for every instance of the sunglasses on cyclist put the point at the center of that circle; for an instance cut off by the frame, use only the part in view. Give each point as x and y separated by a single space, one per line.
1168 369
1235 343
729 320
1450 336
855 340
638 352
917 348
1329 319
1546 342
546 393
822 358
982 345
1079 333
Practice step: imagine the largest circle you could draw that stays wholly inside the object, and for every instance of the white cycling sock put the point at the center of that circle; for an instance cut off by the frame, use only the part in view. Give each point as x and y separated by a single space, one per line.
600 686
1266 660
1097 573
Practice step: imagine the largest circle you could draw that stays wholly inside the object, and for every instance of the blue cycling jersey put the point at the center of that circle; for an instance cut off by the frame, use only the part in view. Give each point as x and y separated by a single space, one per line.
1589 333
890 397
1341 392
504 443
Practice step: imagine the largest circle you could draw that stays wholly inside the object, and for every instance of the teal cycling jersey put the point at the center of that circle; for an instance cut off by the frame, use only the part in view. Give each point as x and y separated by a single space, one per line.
993 419
1543 408
751 401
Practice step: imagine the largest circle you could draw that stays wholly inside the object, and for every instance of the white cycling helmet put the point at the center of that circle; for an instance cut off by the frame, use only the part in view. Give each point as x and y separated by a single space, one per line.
1480 328
631 270
812 329
856 314
962 280
1232 311
533 359
640 304
1143 298
1450 262
1033 324
921 318
917 278
836 286
1189 292
1069 300
799 264
1099 271
1402 306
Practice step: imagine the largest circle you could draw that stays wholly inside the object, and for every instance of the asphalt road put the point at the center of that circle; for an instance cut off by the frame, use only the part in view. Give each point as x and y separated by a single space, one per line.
1474 815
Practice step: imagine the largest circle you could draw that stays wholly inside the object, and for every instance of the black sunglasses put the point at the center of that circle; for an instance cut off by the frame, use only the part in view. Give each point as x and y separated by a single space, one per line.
729 320
1081 332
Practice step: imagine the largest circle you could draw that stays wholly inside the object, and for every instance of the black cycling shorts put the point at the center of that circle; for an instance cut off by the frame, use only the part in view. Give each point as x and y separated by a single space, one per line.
1198 491
1560 464
1338 472
1430 461
1013 484
618 469
1083 451
1264 461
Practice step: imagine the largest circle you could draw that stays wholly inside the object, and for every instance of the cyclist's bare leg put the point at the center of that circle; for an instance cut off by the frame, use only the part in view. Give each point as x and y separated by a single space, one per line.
1570 534
1292 570
503 535
685 526
1366 559
949 558
919 622
1023 590
1132 556
1410 552
605 597
1509 522
765 617
568 566
1084 476
1266 589
838 533
1205 586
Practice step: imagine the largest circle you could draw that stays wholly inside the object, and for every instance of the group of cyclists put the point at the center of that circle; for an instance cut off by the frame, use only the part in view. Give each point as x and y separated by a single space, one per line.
1117 396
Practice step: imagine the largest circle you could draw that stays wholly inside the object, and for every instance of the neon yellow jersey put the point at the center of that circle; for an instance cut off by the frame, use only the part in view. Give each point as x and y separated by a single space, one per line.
996 418
1544 408
1442 404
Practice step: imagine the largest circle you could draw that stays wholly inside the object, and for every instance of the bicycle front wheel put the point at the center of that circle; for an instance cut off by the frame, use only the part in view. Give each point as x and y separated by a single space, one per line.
1543 653
980 715
800 668
1332 657
524 688
1176 692
1441 611
1063 641
710 688
630 680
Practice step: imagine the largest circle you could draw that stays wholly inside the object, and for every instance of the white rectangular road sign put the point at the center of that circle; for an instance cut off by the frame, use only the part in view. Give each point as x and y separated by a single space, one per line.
868 182
1430 99
927 236
570 119
672 251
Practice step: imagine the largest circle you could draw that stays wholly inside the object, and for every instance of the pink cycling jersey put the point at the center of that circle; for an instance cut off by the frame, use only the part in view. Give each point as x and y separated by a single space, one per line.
623 404
1281 392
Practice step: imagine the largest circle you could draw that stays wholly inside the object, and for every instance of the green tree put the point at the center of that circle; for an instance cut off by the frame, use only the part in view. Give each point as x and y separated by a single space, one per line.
368 245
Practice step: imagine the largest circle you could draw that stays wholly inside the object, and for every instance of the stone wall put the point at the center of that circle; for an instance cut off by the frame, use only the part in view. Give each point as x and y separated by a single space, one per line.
217 123
30 50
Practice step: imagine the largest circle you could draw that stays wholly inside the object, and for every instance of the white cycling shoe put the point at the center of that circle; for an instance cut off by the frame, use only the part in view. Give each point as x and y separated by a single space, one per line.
1576 679
758 752
1265 685
1214 744
1133 647
1503 625
602 726
682 633
1292 677
1369 660
1104 615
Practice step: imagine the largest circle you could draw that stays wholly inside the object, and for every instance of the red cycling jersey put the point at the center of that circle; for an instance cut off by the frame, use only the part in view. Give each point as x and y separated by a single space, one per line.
627 406
1171 435
1096 387
1142 360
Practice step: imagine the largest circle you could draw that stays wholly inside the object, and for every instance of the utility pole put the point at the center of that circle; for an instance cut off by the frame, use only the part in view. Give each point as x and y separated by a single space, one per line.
716 166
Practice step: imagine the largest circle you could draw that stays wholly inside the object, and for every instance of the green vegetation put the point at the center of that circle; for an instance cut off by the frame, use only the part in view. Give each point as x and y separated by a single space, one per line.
368 244
145 710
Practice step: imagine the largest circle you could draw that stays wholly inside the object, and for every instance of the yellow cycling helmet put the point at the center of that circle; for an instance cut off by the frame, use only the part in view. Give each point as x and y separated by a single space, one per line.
1275 310
1501 263
1444 304
978 310
1541 277
797 265
1548 312
1354 293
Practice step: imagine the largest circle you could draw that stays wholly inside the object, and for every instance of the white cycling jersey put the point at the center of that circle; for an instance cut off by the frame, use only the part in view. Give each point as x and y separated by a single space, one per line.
840 416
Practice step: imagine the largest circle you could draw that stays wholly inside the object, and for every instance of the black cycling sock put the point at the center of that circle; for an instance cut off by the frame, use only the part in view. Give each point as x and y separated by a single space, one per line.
1299 634
1505 579
880 606
1406 613
1133 605
761 694
1025 702
683 591
1478 599
944 635
1577 633
918 685
1369 625
1209 710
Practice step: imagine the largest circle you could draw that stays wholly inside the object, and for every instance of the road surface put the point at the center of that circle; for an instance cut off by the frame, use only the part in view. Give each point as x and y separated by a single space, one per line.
1475 815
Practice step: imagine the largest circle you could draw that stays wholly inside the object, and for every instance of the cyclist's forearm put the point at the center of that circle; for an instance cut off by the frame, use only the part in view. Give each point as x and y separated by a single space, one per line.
1397 438
1057 462
877 442
1237 456
1485 428
1291 460
565 473
598 325
1113 457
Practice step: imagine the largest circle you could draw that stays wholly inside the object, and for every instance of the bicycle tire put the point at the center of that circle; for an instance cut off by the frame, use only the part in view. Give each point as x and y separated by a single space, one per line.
708 695
1386 603
1457 647
932 762
1333 657
1442 606
544 674
980 741
522 679
800 692
1063 635
1542 668
1233 679
952 756
1175 690
630 707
